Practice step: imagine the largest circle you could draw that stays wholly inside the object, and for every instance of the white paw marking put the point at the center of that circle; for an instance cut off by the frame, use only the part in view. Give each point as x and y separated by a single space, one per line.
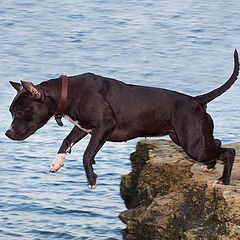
205 169
92 186
58 162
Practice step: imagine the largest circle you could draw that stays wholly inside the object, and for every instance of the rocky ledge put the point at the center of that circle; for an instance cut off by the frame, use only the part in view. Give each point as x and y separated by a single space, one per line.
169 197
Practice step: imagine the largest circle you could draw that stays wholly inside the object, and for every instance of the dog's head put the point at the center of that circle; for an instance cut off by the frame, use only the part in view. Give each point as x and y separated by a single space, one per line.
29 111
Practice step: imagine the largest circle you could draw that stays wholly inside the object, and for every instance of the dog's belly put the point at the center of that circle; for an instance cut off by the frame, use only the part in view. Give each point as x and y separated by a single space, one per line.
120 134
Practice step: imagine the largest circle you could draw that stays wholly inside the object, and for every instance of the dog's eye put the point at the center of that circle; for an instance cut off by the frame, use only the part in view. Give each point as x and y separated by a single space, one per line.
19 113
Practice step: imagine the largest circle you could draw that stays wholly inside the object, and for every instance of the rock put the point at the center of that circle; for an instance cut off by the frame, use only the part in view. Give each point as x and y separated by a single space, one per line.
169 197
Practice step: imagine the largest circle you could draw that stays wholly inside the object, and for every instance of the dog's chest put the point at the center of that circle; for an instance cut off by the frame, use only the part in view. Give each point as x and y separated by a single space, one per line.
76 123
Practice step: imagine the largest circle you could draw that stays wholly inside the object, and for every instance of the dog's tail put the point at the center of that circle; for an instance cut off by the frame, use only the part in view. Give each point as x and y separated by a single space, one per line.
208 97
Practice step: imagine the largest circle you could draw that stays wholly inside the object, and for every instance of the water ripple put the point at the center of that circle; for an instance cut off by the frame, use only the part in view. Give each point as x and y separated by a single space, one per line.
186 46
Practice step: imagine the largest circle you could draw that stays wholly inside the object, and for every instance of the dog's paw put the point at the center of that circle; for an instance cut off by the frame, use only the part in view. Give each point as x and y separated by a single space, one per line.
204 168
92 186
223 181
57 163
92 181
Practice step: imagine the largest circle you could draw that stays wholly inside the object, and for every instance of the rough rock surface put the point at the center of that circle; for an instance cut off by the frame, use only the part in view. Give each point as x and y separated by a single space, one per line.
169 197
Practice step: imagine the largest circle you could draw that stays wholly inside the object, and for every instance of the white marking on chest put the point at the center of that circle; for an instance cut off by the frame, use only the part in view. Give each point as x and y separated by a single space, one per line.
77 124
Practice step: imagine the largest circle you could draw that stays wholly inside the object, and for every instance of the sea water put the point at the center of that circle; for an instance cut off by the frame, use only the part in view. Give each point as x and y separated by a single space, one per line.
186 46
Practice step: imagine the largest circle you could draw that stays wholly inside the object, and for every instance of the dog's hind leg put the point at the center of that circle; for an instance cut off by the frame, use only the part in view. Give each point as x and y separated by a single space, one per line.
218 143
73 137
196 139
210 153
205 168
227 156
211 166
174 138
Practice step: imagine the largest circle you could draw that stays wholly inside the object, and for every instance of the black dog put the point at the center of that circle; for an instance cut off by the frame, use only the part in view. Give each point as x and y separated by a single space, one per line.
111 110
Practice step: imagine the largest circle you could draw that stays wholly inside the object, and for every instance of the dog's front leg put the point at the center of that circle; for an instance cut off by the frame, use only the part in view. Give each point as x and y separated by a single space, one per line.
74 136
98 138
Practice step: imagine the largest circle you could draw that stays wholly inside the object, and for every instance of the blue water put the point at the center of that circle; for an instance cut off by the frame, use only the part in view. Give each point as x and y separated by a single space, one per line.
183 45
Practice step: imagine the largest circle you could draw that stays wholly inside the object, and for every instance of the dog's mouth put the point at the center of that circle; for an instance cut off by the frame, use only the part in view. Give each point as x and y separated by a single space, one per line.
18 136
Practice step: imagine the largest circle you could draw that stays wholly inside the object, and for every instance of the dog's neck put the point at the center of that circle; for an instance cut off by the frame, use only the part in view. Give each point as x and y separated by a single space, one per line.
62 101
55 96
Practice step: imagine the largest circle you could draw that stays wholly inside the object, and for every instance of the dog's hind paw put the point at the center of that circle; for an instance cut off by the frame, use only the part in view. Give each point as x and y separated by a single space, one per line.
204 168
57 163
223 181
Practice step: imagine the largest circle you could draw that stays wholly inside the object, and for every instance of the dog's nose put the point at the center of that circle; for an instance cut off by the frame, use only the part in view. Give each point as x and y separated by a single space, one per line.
9 133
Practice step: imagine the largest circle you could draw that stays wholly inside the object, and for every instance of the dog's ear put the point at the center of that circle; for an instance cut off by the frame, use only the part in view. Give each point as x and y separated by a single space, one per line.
16 85
34 91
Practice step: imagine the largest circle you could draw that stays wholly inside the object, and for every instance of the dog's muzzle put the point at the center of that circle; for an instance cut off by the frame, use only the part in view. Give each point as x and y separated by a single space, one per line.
9 133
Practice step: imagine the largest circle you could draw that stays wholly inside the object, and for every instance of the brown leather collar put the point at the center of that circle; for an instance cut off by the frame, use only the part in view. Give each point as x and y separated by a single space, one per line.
63 100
